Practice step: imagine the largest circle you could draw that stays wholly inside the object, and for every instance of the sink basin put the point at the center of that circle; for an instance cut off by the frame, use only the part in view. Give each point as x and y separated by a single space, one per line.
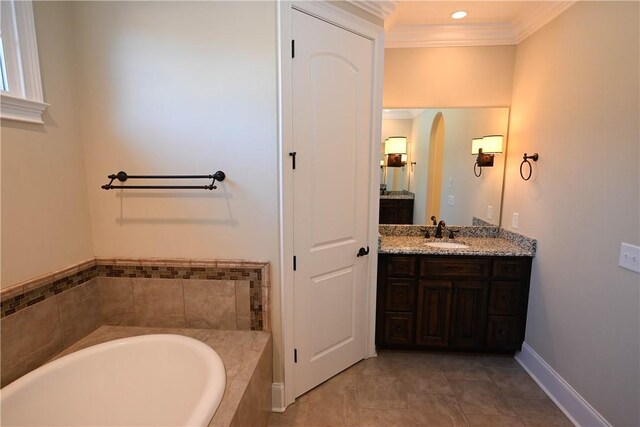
447 245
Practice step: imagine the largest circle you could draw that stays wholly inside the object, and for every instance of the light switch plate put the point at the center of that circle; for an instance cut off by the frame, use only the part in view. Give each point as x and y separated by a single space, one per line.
451 201
630 257
489 212
515 221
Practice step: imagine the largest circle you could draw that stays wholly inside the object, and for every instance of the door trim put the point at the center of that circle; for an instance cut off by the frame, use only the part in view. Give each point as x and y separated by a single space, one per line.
336 16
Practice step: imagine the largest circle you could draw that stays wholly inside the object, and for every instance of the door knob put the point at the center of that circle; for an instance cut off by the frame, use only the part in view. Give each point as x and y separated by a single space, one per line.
363 251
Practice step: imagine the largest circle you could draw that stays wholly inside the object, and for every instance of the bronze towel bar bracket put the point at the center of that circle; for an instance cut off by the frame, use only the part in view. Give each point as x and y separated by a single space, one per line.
123 177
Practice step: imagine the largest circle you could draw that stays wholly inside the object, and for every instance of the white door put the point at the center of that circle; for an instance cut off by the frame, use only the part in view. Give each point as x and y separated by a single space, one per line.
332 105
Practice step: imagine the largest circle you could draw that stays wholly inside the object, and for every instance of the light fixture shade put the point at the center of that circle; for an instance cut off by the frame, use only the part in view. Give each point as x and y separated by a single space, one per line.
489 144
395 145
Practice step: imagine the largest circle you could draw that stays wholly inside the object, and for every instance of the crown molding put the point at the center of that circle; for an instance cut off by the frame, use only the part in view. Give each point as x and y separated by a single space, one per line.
537 17
450 35
395 114
476 34
379 8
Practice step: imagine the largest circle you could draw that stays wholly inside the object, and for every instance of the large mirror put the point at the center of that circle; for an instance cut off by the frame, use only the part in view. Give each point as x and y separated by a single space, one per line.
437 173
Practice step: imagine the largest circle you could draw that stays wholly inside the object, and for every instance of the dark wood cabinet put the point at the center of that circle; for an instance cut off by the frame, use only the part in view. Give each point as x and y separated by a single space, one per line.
434 300
460 303
396 211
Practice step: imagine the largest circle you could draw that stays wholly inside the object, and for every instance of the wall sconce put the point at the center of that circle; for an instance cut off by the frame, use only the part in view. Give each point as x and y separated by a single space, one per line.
485 148
395 148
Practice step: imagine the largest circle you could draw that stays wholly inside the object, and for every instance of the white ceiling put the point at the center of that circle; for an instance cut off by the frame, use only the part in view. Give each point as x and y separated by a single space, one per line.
424 23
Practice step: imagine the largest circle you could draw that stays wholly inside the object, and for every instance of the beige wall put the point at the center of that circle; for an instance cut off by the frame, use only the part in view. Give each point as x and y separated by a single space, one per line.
576 103
45 213
182 88
448 77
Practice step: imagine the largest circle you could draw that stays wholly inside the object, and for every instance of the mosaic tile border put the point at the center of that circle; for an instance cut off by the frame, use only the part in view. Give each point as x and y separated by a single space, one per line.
26 294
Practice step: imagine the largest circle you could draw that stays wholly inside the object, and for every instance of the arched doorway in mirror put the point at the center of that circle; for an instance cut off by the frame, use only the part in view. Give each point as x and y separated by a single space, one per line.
434 170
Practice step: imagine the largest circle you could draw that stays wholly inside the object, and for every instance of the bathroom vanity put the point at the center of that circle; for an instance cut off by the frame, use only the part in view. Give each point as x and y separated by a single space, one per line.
465 299
396 207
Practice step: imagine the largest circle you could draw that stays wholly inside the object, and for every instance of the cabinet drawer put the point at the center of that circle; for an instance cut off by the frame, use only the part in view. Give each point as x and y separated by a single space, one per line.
388 203
398 328
504 333
400 295
401 266
505 298
448 267
508 268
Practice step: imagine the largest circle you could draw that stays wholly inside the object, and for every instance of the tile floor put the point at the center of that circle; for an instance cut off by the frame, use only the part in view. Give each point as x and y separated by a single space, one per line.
426 389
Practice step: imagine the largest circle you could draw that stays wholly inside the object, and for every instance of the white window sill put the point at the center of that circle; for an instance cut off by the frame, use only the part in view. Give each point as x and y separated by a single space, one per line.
20 109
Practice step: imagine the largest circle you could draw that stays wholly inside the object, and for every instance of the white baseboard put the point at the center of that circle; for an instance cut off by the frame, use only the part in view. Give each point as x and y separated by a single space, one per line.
277 397
574 406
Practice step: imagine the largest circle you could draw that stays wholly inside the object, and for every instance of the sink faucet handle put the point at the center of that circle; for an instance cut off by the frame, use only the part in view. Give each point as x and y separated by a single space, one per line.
451 235
427 235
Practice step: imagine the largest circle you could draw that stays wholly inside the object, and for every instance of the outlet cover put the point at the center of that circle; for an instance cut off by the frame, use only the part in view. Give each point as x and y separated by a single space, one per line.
489 212
630 257
451 200
515 221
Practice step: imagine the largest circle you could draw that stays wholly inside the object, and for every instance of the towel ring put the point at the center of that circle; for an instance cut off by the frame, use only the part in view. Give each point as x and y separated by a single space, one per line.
525 160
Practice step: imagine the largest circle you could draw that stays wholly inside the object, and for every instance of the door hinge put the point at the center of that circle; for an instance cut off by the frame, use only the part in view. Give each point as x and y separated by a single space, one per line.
293 48
294 263
295 355
293 158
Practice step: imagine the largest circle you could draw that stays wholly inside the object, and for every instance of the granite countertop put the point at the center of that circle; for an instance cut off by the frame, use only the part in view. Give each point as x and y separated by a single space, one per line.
398 195
494 246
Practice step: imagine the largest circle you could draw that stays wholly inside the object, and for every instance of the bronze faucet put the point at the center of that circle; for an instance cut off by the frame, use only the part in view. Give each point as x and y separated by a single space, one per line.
438 234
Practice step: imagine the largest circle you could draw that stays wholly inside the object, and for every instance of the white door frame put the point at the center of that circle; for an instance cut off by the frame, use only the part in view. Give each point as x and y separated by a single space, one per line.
334 15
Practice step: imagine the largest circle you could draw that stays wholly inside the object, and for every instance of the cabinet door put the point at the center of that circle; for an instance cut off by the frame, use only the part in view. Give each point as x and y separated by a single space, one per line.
504 333
400 295
469 314
405 211
505 298
434 309
388 212
398 328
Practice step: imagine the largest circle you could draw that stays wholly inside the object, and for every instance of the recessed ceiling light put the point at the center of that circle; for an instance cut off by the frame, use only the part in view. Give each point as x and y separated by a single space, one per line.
459 14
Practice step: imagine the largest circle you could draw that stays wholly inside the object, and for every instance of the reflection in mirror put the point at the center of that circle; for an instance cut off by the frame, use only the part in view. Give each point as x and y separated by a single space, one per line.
438 178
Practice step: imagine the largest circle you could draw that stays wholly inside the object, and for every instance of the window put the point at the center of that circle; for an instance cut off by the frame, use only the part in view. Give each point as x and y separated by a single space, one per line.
20 84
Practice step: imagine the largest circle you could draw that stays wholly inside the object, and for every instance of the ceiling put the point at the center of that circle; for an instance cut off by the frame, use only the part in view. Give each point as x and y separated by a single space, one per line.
422 23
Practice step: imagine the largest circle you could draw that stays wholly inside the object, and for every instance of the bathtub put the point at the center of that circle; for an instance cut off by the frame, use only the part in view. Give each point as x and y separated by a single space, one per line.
148 380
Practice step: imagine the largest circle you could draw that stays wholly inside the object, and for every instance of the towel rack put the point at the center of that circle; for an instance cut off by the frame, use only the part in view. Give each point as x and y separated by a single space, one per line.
123 177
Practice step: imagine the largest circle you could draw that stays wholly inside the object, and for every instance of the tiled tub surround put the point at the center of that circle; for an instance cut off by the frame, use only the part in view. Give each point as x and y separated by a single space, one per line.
247 359
42 317
492 241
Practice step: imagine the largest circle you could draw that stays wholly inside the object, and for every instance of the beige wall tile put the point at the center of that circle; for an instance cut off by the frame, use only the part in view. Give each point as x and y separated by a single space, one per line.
79 311
243 305
255 407
116 300
158 302
210 303
29 338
